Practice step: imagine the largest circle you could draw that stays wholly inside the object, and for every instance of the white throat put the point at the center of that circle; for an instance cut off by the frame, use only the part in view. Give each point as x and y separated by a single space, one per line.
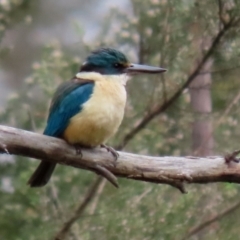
120 78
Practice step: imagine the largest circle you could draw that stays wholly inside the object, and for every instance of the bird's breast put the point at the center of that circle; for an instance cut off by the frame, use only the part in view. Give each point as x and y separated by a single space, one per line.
100 116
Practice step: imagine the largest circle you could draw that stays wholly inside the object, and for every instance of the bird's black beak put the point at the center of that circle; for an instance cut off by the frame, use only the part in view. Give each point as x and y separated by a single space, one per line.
137 68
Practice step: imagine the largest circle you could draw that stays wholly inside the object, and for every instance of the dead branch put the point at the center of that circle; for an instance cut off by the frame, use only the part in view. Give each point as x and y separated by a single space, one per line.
167 170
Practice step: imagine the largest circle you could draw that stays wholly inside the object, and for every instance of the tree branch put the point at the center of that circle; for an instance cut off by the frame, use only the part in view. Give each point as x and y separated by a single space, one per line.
167 170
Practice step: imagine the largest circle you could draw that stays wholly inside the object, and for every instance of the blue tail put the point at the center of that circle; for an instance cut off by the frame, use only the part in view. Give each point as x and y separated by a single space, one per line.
42 174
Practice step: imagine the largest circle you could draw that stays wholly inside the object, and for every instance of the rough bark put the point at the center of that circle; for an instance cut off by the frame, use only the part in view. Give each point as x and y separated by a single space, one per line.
168 170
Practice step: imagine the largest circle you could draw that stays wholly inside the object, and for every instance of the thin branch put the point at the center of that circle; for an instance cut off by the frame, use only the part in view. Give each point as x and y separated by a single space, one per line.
53 196
97 196
207 223
161 108
220 14
61 235
220 70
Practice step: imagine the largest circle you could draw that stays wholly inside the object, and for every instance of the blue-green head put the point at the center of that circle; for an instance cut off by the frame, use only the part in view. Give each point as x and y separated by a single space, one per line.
111 61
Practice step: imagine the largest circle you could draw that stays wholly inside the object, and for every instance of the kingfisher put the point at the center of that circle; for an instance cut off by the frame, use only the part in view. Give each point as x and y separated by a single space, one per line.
88 109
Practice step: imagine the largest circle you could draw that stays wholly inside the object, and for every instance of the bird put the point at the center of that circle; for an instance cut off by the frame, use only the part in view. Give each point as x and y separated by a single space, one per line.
88 109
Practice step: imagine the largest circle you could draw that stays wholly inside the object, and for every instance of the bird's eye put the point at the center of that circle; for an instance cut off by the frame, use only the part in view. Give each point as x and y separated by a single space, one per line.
117 65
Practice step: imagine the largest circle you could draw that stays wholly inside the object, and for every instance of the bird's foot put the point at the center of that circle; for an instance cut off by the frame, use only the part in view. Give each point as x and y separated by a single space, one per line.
78 149
232 157
112 150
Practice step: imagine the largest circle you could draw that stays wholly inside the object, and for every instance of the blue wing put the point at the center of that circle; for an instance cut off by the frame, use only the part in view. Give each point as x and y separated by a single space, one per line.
67 102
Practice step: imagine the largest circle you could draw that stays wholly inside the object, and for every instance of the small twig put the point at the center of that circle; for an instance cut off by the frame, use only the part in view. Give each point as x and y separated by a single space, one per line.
31 119
97 196
139 198
208 223
61 235
232 157
180 186
220 14
220 70
52 193
4 148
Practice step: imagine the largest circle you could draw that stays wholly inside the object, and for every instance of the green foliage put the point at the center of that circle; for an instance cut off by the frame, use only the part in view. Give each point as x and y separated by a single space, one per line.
12 11
158 32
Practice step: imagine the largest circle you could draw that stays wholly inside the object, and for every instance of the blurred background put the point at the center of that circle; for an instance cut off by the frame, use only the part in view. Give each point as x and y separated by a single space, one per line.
193 109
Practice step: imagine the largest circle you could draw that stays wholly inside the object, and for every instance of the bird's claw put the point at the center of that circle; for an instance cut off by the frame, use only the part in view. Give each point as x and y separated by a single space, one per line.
232 157
78 150
112 150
